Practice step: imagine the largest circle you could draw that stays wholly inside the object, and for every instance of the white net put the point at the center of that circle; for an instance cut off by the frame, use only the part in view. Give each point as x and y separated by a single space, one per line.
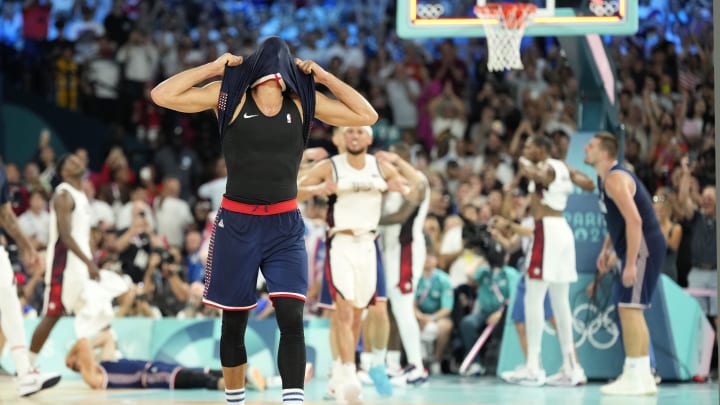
504 38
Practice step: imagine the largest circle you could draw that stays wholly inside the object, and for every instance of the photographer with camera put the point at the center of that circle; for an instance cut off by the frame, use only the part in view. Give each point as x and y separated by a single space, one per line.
164 281
135 243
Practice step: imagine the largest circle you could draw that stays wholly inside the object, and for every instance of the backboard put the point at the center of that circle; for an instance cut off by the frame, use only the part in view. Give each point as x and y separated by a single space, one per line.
455 18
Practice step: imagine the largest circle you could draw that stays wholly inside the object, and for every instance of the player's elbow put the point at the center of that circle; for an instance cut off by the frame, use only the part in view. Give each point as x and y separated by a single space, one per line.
159 96
371 117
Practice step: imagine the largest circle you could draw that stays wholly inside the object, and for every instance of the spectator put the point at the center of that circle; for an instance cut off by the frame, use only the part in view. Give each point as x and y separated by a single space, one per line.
19 194
703 223
493 290
673 235
103 77
434 302
164 282
140 59
35 222
102 213
135 243
173 214
178 160
213 190
138 202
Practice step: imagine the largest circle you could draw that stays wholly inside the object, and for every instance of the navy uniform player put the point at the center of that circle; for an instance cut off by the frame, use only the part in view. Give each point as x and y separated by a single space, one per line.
265 104
635 236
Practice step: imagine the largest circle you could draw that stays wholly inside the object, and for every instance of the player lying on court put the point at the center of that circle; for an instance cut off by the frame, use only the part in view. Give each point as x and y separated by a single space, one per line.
109 373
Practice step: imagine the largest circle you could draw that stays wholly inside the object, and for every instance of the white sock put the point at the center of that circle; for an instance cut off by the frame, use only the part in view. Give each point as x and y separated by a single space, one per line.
393 359
293 396
336 368
378 357
366 360
33 359
638 363
12 326
348 372
235 397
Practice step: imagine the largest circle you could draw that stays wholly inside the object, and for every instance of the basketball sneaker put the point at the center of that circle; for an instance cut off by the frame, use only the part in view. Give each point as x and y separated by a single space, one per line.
33 382
364 377
631 382
568 377
380 379
411 375
348 392
524 376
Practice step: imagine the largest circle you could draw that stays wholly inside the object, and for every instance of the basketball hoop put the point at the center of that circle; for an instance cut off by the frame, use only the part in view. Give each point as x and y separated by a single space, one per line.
504 36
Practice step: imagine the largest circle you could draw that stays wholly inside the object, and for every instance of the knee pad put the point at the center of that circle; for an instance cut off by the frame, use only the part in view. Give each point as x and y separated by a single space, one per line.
289 315
232 339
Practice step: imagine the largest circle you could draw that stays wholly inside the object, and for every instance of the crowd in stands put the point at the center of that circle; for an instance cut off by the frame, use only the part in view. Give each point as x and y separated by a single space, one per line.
465 128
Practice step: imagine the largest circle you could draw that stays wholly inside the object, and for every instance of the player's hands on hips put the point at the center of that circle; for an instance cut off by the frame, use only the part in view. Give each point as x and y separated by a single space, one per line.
629 275
310 67
226 59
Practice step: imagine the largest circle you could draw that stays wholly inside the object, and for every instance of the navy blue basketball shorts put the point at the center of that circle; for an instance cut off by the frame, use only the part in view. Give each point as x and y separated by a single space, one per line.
326 298
246 238
649 267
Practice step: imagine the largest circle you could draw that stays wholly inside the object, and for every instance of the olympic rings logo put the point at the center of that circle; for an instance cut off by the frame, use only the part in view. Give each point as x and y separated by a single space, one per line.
430 11
601 333
604 8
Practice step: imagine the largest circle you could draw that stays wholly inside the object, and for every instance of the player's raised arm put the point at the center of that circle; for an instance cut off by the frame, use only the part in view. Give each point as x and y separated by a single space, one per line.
349 109
180 94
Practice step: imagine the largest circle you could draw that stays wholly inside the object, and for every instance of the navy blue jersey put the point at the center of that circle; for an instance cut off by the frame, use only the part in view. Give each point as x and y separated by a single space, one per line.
615 221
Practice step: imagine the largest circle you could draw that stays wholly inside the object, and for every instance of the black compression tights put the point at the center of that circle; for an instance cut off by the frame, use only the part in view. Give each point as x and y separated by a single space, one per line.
291 353
232 338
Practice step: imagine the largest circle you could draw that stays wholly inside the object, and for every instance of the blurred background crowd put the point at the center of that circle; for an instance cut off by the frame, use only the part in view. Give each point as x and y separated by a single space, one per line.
162 176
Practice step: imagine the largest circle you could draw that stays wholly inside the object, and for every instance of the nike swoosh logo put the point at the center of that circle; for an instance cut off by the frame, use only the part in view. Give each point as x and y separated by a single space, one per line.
249 116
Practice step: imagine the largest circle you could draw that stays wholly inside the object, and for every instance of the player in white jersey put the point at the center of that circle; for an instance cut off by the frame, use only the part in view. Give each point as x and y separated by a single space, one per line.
404 250
29 381
353 218
69 261
551 265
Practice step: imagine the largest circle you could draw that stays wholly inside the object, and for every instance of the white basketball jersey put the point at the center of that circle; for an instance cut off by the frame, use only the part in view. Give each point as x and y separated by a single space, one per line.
393 202
80 221
560 188
358 203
